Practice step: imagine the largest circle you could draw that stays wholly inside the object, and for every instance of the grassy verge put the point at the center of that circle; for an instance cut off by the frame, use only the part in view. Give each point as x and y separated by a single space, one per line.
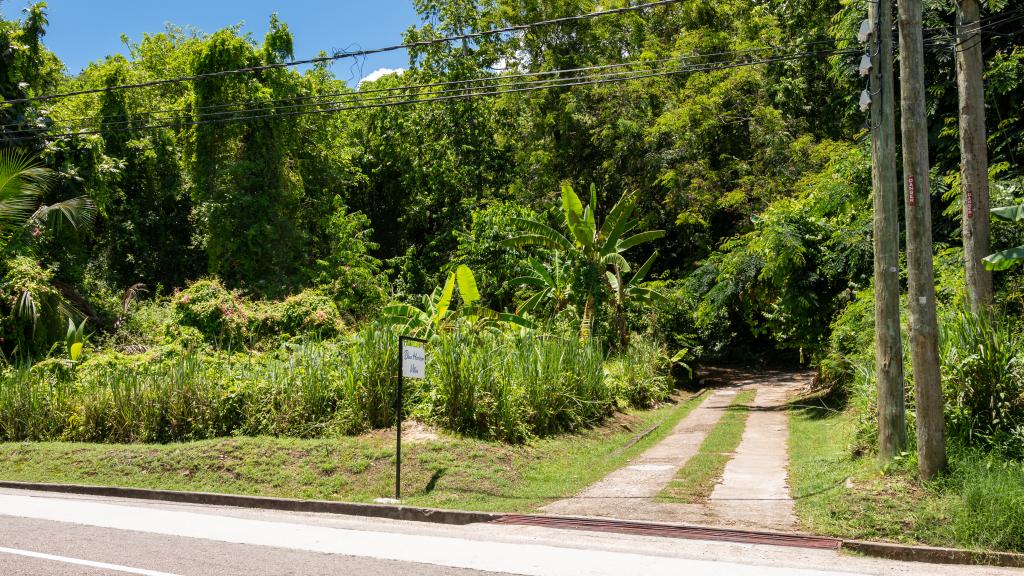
696 479
978 503
444 471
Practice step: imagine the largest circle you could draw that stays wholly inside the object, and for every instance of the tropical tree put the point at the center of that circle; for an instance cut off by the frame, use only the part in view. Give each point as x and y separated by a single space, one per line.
23 183
1006 258
599 248
631 290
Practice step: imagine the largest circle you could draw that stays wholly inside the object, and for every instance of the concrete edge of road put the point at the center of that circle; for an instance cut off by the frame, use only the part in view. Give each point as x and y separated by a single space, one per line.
934 555
390 512
458 517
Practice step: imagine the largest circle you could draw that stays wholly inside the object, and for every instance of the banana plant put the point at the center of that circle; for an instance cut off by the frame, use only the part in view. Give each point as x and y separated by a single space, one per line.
631 290
437 311
1006 258
553 284
600 247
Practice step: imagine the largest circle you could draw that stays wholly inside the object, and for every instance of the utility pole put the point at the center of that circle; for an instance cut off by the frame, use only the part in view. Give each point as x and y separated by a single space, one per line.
931 443
892 424
973 154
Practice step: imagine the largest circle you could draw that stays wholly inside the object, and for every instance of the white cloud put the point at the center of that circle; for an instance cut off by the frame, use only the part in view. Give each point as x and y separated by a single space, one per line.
381 72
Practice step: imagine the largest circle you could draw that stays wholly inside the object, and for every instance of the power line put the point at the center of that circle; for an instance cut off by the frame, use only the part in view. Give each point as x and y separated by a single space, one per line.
450 94
352 54
288 102
462 95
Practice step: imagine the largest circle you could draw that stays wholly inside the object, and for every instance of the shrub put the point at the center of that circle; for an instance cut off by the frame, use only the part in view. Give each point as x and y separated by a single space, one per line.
35 313
851 342
671 317
309 311
983 378
218 313
513 386
229 320
640 375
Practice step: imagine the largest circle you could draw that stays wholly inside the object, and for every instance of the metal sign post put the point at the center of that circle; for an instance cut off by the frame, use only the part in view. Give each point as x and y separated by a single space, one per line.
412 363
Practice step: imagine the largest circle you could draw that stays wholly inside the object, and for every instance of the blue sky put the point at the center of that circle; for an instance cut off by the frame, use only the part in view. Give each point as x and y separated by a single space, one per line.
81 31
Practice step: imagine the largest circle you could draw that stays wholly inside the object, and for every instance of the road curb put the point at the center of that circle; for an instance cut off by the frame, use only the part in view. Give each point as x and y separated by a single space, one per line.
933 555
901 552
413 513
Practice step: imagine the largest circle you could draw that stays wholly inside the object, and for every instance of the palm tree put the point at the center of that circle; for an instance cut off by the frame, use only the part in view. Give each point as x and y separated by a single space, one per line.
23 184
600 248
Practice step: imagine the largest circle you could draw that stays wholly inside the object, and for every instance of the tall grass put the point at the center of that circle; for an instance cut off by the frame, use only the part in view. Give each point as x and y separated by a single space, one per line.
507 386
983 377
640 376
514 386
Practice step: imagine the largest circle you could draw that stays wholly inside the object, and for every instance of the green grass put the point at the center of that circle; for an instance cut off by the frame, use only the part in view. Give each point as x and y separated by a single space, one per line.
978 503
449 471
696 479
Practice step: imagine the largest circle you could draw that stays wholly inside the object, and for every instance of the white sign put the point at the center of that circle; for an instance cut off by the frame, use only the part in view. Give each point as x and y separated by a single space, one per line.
414 363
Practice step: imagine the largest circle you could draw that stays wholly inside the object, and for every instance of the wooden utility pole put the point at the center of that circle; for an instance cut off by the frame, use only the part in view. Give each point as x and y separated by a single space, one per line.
973 154
931 443
892 424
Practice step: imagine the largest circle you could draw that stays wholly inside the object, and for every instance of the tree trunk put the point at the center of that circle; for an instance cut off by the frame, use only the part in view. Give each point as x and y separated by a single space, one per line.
620 310
892 423
931 448
973 154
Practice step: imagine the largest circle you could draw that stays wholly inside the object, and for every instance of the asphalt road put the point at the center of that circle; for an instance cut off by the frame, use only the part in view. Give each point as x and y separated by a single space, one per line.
48 534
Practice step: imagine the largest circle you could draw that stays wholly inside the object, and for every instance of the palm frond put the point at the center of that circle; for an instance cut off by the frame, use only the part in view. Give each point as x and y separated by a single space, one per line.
549 242
533 301
1005 259
467 284
646 295
534 228
621 228
446 299
22 183
613 282
76 212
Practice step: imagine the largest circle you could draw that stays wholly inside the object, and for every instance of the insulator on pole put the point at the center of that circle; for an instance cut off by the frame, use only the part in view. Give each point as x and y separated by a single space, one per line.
865 31
865 101
865 65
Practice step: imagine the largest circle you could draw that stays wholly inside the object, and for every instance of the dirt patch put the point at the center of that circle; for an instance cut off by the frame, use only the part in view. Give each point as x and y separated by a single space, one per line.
413 431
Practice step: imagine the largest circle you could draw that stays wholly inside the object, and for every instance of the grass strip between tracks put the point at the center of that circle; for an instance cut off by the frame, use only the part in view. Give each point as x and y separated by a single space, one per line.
696 479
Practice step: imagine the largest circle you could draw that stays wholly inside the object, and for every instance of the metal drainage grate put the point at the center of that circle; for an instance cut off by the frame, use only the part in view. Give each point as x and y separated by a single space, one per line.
672 531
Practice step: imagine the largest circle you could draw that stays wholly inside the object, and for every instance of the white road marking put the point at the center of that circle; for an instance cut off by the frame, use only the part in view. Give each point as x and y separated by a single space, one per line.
80 562
526 559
